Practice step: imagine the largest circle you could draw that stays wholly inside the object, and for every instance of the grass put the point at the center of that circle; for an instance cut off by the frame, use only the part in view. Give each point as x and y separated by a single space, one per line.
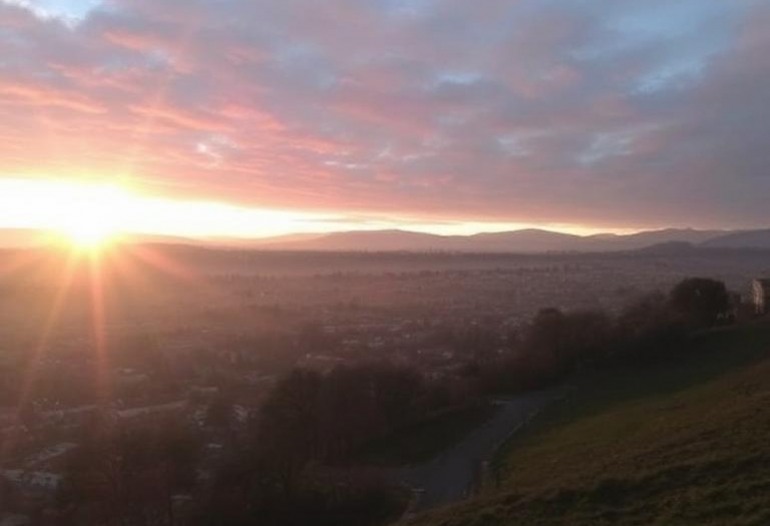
685 442
426 439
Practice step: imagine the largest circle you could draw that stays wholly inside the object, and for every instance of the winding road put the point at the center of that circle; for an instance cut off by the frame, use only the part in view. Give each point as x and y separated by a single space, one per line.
452 475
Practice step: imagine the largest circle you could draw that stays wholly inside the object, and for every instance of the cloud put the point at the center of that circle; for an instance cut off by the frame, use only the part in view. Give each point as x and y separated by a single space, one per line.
596 112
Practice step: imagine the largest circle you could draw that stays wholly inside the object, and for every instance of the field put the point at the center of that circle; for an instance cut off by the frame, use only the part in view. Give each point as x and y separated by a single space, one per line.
676 443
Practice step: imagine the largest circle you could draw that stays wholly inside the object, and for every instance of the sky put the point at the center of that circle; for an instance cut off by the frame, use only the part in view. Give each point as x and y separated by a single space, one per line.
265 117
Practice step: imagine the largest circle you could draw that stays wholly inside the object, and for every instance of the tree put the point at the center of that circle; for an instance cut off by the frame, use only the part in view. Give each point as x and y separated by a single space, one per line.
129 476
648 329
288 427
220 413
700 301
570 339
9 496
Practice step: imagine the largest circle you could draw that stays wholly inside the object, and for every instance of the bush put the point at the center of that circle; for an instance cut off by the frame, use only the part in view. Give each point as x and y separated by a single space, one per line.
647 329
701 302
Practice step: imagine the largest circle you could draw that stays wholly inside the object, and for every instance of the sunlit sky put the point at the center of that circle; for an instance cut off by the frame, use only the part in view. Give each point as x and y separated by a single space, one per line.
254 118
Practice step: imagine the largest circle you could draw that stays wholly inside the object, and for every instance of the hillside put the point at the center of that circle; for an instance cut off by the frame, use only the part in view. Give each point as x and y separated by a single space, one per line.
678 443
652 238
380 240
750 239
526 241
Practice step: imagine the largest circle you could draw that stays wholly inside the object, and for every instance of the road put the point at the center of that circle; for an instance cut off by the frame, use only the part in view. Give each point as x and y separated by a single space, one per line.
452 475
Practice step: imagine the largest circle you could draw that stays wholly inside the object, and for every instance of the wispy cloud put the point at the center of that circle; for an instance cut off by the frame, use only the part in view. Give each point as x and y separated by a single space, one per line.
597 112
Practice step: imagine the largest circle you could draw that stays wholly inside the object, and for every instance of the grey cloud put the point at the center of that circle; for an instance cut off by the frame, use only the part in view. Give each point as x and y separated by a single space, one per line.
589 111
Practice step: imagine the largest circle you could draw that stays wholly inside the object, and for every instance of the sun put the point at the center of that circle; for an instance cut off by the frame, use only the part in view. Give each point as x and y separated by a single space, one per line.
93 217
90 230
90 236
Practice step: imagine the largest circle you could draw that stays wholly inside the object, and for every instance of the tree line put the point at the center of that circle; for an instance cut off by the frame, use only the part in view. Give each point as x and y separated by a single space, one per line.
556 343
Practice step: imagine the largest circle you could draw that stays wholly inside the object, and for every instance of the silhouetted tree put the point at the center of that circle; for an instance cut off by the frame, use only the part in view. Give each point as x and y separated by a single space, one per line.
700 301
9 497
288 427
221 412
569 339
648 328
128 477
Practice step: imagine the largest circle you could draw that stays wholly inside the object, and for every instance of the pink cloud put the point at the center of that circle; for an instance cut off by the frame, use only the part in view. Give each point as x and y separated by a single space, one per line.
513 110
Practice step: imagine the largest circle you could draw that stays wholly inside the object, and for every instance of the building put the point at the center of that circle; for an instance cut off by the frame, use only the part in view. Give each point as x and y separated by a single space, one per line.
33 480
760 293
152 410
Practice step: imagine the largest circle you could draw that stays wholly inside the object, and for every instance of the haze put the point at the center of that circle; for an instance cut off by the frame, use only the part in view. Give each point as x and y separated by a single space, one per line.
384 262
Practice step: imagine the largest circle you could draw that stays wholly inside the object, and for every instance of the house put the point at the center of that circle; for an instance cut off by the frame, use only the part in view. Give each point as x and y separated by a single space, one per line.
8 416
13 519
152 410
49 454
33 480
760 292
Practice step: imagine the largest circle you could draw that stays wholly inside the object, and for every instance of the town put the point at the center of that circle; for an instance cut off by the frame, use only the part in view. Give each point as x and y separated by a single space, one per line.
194 345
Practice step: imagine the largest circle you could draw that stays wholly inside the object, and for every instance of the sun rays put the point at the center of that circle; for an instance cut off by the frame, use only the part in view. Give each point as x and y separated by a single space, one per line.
90 212
100 278
95 216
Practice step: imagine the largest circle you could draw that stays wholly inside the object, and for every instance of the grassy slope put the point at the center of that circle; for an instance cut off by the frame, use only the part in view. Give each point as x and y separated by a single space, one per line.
687 442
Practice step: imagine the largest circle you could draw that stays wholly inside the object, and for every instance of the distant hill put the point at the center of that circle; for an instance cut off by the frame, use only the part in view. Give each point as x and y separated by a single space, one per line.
258 243
747 239
529 240
523 241
517 241
360 240
672 248
651 238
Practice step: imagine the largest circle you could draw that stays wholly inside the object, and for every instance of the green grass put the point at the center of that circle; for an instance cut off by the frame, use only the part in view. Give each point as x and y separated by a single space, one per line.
680 443
426 439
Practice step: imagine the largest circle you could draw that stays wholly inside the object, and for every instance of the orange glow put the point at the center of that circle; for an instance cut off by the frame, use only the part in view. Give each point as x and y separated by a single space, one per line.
87 216
91 215
89 237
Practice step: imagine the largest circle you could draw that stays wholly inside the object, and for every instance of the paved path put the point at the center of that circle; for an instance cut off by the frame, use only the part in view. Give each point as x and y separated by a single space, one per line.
452 475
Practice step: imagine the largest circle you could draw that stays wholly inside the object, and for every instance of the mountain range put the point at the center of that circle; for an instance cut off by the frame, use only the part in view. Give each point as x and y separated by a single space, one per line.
524 241
521 241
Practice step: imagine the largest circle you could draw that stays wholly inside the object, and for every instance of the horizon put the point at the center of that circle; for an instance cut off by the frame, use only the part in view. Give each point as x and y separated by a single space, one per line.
107 212
57 235
94 244
46 205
